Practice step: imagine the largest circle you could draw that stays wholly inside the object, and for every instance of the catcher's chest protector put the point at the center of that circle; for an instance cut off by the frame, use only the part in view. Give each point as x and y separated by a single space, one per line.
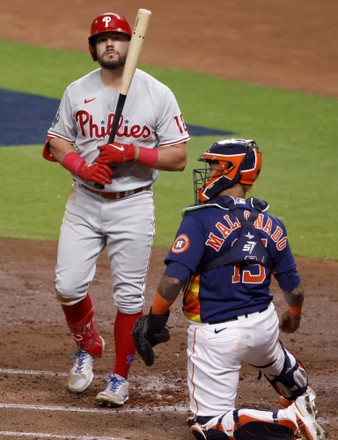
249 247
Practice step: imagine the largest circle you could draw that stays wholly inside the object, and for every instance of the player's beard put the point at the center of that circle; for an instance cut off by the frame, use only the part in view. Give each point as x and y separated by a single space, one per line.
111 64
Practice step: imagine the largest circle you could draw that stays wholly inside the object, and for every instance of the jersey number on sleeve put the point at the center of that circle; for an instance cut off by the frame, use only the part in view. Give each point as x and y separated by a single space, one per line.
180 124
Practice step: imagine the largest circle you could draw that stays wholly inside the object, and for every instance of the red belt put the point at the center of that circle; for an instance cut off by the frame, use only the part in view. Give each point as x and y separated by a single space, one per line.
116 195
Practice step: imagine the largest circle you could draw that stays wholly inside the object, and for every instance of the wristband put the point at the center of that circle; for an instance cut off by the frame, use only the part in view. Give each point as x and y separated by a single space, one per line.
296 310
160 305
147 156
72 162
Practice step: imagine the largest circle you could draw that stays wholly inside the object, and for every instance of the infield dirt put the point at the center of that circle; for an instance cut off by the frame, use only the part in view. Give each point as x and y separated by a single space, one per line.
282 44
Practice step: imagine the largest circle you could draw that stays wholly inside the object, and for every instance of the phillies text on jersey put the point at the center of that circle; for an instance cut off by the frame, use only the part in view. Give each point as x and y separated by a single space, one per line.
151 118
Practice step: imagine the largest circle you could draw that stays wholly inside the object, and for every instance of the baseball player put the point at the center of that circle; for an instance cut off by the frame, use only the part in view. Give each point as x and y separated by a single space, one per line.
224 254
151 136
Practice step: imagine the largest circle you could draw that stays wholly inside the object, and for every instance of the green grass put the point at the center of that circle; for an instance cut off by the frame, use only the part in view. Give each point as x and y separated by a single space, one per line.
296 132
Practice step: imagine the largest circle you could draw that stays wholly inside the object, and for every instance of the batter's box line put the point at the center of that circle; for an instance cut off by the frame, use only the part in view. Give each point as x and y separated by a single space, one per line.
150 382
39 435
120 410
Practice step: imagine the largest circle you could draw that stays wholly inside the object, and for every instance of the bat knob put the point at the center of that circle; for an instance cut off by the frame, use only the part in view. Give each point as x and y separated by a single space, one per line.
98 186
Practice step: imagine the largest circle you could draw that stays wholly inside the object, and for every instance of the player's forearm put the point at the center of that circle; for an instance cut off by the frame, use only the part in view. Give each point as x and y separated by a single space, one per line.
172 158
295 299
296 296
167 292
59 148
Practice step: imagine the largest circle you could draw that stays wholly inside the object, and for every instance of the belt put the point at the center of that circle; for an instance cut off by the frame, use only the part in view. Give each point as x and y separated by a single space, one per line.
236 318
116 195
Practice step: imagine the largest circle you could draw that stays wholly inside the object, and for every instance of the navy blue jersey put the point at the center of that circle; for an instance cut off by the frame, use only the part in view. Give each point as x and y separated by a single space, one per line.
208 231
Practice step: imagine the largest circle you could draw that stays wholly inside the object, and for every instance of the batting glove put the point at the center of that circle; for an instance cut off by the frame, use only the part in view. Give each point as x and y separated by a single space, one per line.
95 172
116 153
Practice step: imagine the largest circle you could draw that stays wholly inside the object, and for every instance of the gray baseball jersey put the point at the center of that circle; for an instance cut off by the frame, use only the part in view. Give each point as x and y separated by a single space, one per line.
151 118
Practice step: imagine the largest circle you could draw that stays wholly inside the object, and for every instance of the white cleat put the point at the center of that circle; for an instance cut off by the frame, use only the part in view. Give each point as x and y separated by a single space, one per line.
116 392
308 427
81 374
284 402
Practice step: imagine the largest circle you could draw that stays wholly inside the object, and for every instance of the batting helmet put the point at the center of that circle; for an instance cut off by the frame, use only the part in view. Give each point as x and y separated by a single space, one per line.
239 161
107 22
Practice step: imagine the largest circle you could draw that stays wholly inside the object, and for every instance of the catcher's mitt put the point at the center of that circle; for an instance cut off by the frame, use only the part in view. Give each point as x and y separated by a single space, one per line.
148 331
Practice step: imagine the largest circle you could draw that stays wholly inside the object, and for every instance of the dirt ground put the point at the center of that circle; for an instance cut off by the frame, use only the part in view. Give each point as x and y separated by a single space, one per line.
284 44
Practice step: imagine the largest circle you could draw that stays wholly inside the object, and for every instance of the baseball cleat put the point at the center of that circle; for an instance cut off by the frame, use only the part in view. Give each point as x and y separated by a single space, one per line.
285 403
81 374
196 429
308 427
116 392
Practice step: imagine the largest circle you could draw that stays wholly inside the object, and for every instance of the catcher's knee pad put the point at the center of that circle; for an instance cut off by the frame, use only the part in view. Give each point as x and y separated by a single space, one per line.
292 381
263 431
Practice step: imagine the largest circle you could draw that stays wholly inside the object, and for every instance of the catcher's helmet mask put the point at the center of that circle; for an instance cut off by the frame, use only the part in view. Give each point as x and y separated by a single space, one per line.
107 22
239 160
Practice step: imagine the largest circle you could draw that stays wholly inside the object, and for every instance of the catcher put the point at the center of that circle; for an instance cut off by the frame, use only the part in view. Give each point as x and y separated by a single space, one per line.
224 254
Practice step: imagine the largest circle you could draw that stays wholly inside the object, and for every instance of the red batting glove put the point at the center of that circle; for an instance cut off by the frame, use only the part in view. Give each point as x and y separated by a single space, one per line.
116 153
95 172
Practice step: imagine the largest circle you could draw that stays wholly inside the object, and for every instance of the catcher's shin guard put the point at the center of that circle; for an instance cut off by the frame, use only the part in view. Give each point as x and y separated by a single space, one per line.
292 381
250 426
215 434
263 431
86 336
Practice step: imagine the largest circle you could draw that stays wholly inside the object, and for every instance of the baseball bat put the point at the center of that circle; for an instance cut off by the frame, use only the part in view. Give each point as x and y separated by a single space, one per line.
135 46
